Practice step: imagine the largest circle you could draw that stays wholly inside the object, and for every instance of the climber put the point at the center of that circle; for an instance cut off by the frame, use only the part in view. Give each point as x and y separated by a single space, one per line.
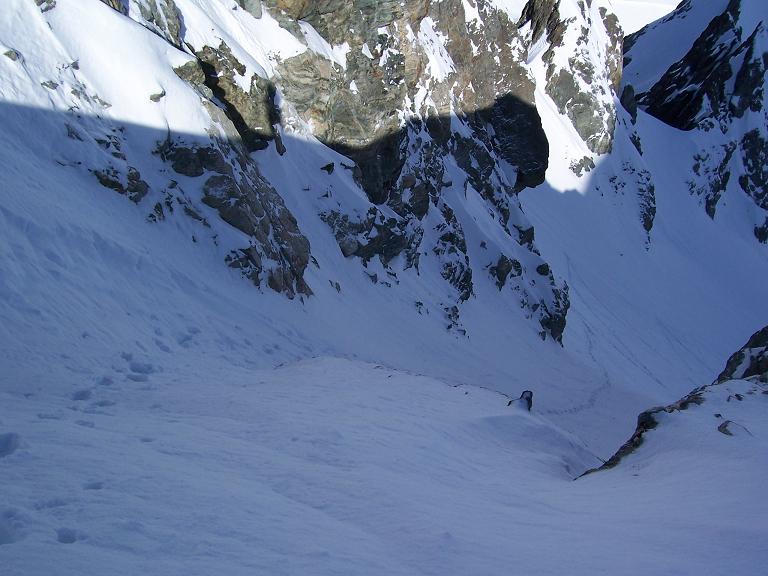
525 400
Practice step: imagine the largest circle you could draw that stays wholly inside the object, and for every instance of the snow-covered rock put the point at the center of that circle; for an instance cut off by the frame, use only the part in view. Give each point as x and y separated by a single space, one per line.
711 82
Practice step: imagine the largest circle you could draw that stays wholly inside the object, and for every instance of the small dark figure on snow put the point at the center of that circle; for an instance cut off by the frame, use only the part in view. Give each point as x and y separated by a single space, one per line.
525 400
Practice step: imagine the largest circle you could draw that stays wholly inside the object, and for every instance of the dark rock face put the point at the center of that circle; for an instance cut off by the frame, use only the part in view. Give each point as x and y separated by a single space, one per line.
511 118
761 232
678 98
754 149
629 101
503 268
718 88
278 252
253 113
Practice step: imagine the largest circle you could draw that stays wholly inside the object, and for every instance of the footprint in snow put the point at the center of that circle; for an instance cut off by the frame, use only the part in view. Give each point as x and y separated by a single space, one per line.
9 443
11 526
50 503
103 403
69 535
141 367
98 407
105 381
186 339
139 371
162 345
81 395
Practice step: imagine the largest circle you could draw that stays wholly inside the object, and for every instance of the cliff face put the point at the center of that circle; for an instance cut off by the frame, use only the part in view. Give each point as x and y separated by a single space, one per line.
715 87
428 98
432 104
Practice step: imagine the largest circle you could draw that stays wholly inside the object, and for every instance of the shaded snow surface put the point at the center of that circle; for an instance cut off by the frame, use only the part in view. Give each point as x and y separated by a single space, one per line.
339 467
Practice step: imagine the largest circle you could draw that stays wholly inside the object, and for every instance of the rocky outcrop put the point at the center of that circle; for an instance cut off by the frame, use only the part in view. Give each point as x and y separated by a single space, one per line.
751 361
424 88
216 166
647 421
278 253
414 62
253 113
161 16
748 363
119 5
165 17
253 7
694 91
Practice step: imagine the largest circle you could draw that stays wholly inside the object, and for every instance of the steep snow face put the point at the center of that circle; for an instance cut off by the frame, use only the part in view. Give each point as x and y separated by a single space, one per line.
425 115
127 128
623 231
714 86
745 376
636 14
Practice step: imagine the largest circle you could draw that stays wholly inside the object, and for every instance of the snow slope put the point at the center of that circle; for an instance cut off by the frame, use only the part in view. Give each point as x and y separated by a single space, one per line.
635 14
88 279
160 413
336 467
644 293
